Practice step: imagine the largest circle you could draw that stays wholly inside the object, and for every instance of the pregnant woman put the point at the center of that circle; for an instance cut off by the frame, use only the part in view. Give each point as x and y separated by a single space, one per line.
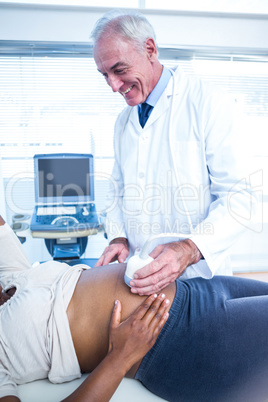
199 341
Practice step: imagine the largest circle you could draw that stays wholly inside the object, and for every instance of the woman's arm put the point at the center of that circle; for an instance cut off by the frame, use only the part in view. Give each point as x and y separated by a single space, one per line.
9 398
129 341
12 257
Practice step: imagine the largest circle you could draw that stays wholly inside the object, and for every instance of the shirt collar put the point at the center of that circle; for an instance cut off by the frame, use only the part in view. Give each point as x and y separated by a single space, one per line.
159 88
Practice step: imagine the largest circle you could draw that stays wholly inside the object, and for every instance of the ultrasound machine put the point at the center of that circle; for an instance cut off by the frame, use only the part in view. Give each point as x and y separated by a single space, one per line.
65 212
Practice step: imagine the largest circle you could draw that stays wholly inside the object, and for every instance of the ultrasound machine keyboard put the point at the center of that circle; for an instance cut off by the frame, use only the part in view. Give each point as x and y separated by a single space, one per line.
78 217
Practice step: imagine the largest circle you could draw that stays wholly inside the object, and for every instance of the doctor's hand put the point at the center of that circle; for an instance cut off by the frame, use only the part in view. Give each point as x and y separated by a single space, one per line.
170 261
117 250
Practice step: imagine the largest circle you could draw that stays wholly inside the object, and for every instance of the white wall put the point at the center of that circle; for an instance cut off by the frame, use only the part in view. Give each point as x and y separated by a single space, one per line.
190 29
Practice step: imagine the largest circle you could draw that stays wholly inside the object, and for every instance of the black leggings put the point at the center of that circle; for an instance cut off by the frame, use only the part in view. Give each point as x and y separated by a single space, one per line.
214 346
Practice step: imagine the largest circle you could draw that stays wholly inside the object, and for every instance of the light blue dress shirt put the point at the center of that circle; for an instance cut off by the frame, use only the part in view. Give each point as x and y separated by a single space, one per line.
159 88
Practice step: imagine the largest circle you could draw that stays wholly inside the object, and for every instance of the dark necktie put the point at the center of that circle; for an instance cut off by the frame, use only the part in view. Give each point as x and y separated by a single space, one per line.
144 113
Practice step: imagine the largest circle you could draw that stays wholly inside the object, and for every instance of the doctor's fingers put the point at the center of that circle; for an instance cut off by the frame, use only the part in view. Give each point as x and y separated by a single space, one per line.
154 282
109 255
123 255
157 250
99 262
167 259
147 290
149 269
171 252
116 251
104 260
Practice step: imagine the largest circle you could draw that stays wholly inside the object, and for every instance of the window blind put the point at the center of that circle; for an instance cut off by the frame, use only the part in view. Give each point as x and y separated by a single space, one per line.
53 104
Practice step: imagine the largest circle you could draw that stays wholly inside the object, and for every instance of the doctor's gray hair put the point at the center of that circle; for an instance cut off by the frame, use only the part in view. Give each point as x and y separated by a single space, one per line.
131 26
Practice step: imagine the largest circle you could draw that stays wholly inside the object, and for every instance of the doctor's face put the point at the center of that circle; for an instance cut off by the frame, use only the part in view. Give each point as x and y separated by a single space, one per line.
126 69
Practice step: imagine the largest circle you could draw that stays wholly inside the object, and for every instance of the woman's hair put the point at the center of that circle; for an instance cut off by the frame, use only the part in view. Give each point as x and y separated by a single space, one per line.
131 26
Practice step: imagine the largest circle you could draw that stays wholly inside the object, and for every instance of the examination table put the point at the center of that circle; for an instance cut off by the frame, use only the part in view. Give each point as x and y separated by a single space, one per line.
44 391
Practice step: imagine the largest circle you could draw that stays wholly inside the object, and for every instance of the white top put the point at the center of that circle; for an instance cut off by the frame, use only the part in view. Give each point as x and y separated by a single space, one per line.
145 198
35 338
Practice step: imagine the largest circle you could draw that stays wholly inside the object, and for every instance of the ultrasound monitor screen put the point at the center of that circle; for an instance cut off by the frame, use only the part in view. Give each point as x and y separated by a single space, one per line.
62 179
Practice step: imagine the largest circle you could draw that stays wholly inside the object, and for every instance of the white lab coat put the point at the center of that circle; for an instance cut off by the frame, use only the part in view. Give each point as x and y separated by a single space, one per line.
145 198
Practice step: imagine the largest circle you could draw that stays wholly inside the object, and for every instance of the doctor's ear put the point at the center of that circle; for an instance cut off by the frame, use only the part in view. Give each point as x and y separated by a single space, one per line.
151 49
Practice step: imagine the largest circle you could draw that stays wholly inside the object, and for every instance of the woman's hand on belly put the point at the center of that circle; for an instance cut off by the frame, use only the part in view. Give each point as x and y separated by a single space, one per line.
134 337
129 341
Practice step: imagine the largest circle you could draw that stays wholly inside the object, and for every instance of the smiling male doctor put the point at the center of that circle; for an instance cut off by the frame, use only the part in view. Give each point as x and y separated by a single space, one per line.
177 171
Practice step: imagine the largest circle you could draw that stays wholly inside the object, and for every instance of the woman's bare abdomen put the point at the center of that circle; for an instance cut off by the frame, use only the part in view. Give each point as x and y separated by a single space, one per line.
90 309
